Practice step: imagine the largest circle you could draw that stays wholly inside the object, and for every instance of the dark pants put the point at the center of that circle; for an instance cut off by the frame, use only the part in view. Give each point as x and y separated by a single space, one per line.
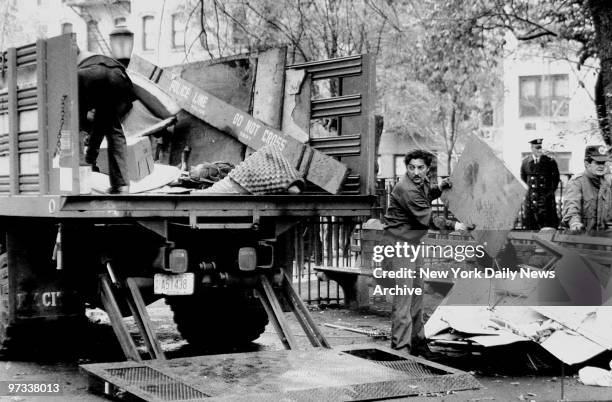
108 91
540 210
407 328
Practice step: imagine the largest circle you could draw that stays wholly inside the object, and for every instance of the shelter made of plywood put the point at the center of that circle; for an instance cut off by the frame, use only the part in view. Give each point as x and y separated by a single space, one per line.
485 193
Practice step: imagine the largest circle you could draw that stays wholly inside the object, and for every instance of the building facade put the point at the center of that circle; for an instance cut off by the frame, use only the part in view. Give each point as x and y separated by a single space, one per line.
166 33
546 95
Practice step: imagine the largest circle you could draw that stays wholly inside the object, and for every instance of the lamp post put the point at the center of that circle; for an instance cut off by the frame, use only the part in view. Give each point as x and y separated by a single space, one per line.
121 43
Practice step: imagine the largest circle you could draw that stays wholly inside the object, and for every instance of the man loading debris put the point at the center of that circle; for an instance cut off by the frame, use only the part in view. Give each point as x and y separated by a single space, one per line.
588 196
105 87
408 218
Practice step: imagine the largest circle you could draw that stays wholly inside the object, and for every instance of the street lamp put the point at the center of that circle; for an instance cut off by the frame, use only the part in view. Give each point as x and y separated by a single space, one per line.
122 43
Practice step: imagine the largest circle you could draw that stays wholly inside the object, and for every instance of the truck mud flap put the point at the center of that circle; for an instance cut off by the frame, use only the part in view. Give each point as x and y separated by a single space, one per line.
357 372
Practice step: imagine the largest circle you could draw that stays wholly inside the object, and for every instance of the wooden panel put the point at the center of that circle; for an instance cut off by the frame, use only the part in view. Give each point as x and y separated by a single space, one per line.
296 105
485 193
269 85
62 114
13 116
229 79
268 89
317 167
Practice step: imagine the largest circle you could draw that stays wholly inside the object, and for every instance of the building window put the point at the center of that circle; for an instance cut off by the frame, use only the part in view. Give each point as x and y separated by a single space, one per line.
92 37
148 33
120 22
66 28
544 95
178 31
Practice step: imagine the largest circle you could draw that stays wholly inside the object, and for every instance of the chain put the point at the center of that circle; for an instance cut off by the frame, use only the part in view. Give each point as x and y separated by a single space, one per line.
58 145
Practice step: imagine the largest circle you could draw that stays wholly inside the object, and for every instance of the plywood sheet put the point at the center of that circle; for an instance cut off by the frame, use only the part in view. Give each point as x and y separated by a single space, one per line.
485 193
318 168
229 79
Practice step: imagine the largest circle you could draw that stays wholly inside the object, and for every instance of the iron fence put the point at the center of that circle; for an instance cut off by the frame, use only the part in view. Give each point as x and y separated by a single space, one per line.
323 242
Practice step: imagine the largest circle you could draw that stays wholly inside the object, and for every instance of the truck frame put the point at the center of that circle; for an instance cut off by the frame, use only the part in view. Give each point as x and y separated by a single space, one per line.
58 242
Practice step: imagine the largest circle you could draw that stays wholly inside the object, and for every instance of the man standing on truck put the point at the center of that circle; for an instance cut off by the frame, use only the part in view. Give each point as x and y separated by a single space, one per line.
541 174
588 196
105 89
408 218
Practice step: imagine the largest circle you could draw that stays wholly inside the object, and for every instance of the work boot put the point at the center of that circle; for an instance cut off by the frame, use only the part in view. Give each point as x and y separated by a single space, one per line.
421 349
118 190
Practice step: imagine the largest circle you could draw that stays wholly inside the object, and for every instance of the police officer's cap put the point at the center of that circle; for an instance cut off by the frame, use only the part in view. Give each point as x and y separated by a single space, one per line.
536 141
597 152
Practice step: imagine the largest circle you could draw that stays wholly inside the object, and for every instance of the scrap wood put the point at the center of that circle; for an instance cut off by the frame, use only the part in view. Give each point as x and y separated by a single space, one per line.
316 167
373 333
564 315
485 193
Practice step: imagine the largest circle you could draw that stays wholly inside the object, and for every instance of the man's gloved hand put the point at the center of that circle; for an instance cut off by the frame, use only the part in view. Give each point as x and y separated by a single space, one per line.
576 227
462 227
446 184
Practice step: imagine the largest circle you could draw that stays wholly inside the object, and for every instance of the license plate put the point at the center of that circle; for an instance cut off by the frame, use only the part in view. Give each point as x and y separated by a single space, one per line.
173 285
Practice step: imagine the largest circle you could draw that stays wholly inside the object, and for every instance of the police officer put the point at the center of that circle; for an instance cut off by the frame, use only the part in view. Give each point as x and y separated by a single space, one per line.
588 195
541 174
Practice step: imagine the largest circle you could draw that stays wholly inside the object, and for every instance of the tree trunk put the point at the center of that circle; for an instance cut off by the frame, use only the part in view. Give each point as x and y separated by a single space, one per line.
601 12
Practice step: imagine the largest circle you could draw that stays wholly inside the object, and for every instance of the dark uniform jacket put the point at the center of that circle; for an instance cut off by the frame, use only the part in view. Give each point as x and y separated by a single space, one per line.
587 200
409 214
542 179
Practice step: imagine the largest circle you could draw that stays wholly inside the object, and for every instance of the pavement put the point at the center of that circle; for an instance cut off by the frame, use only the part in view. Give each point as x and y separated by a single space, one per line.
97 344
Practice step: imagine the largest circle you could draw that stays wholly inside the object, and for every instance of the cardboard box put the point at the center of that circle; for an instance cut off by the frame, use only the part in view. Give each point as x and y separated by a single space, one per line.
139 158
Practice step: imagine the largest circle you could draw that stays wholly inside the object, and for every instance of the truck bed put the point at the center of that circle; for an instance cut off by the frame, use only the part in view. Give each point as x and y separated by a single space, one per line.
142 206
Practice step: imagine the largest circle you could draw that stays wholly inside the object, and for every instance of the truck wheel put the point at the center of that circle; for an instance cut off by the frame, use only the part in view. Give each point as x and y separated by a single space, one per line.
218 318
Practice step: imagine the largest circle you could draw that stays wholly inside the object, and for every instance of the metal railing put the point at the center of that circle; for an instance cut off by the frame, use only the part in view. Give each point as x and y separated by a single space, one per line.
323 242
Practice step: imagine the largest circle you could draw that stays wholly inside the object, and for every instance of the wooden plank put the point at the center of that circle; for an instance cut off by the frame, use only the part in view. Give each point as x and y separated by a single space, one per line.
269 87
13 117
229 79
296 105
318 168
368 101
114 314
143 320
299 308
485 193
62 114
41 95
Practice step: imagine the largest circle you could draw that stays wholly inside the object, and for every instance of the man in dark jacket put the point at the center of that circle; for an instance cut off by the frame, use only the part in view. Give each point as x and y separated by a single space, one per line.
408 218
588 197
541 174
105 88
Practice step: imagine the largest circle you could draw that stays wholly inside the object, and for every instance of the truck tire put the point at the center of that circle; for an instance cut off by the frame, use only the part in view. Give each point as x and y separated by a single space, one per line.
218 318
